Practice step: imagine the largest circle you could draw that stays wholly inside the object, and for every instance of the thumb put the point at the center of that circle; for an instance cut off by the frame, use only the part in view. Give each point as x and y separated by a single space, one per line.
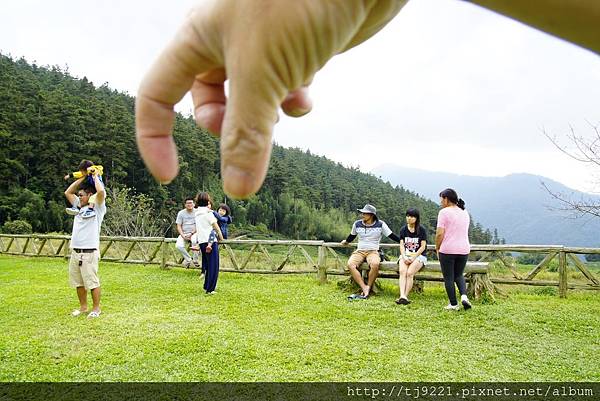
254 97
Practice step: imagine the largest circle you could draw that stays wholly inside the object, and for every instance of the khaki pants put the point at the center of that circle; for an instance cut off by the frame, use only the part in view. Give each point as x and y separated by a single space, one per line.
83 270
358 257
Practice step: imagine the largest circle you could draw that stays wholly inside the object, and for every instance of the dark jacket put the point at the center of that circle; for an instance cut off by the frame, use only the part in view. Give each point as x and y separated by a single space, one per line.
223 221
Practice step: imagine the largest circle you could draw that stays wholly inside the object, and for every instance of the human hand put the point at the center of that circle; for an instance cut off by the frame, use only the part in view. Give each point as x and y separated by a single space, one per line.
269 50
66 177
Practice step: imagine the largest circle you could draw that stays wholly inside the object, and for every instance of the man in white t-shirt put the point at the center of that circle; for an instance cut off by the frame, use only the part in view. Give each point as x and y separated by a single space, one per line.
186 227
85 244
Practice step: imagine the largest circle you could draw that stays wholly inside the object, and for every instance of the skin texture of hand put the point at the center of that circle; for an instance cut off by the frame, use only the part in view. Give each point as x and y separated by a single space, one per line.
269 51
577 21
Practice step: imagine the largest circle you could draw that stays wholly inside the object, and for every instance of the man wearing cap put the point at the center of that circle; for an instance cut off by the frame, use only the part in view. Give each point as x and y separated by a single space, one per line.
85 243
369 231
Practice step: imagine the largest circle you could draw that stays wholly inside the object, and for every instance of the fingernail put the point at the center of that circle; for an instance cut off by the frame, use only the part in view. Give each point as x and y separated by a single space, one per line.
239 183
298 112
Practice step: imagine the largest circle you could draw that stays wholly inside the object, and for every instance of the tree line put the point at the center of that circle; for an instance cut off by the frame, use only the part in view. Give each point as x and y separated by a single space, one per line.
50 120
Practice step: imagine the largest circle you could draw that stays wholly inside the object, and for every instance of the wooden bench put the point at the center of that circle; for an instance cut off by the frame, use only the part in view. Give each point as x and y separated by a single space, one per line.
476 275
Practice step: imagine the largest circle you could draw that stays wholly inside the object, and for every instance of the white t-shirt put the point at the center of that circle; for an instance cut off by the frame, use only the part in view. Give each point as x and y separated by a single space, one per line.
369 236
204 221
86 232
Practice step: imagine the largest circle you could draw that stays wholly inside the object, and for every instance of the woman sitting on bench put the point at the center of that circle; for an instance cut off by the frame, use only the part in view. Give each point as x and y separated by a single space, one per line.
413 243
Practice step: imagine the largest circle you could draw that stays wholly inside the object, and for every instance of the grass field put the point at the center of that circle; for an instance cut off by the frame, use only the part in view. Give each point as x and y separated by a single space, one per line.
159 326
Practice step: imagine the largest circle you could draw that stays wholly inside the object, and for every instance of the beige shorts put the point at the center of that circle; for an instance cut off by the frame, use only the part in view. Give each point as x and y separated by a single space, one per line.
83 270
358 257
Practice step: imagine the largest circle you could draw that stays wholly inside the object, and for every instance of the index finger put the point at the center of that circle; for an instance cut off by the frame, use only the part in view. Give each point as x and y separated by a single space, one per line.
165 84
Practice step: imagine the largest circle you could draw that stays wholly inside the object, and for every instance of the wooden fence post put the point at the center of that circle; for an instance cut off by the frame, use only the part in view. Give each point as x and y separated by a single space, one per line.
66 249
562 274
163 254
322 265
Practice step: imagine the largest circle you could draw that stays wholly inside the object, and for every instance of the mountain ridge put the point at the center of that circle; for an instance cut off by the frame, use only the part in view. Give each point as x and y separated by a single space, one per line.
516 204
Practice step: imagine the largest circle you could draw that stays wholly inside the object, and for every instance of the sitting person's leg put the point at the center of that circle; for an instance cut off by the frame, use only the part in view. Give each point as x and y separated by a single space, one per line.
194 246
180 245
374 261
402 272
412 270
354 262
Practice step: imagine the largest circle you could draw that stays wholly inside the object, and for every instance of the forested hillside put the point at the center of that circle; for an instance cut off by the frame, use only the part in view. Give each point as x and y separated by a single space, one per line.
50 121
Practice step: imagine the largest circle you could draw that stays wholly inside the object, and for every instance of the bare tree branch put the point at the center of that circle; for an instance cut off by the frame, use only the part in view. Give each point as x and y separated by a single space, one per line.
587 150
579 208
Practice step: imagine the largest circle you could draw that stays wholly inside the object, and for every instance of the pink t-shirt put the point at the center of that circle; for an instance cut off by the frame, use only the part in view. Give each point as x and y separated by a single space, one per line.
455 222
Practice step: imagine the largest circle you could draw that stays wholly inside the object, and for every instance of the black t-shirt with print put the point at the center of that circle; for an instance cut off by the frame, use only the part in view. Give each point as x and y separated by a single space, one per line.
412 240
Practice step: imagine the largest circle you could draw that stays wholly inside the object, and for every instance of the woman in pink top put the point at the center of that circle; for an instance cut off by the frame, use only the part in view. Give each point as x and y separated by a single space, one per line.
452 245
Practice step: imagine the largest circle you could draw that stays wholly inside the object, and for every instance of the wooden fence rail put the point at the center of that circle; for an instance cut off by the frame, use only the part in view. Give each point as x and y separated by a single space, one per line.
302 257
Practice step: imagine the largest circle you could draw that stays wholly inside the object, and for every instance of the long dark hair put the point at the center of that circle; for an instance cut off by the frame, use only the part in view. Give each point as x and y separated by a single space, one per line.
452 196
415 213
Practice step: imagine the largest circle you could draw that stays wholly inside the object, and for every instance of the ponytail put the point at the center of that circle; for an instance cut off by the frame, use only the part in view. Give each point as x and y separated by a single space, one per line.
452 196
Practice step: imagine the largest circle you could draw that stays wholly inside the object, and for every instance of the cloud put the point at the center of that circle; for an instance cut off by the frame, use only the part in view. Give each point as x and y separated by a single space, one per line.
444 75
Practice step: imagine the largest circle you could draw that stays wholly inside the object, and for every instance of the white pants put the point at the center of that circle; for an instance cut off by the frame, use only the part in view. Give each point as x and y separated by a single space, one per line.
180 245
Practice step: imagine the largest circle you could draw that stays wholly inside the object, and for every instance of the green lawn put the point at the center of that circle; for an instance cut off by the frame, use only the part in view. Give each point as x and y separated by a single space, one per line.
159 326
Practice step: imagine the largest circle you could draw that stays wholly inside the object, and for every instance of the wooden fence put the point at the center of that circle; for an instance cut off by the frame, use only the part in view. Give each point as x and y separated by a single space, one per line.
302 257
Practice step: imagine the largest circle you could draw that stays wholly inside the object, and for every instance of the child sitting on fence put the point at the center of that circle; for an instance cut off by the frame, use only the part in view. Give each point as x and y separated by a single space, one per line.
86 169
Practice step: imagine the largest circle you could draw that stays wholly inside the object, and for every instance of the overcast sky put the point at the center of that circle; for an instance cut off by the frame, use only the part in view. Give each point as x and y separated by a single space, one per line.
446 86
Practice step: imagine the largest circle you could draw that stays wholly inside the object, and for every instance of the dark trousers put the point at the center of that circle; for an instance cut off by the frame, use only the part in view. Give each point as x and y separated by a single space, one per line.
453 267
210 266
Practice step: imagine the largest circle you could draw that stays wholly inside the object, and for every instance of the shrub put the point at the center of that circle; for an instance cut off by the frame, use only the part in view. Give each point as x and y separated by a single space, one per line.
17 227
592 257
530 258
133 215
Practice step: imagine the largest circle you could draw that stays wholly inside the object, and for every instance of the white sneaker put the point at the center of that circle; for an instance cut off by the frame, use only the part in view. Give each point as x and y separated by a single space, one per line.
186 264
465 302
72 211
451 307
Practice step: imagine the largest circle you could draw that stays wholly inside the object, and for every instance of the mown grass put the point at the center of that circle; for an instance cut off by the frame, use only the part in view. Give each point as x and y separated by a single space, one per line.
158 325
